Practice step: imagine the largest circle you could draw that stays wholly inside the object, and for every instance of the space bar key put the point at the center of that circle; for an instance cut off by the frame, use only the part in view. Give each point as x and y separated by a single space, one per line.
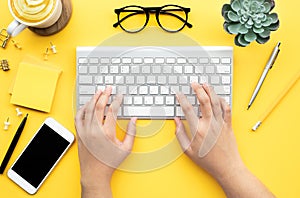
155 111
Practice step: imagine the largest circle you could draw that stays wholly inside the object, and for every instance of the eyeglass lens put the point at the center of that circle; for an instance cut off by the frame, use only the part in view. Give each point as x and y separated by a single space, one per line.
171 18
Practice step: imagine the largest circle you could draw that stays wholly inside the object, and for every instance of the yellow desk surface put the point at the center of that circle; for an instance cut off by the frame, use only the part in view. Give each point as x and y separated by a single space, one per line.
272 153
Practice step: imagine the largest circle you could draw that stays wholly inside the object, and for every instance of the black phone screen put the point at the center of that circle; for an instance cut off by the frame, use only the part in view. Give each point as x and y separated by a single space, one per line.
40 155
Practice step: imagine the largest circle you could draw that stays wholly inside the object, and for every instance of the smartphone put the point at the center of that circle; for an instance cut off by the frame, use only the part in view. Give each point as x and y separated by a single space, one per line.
40 156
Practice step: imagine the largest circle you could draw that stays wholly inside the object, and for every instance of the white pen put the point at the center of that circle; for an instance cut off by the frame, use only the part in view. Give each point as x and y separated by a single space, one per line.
268 66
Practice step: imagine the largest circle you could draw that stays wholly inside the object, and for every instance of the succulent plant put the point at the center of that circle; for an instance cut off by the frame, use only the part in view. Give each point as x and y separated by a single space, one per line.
250 20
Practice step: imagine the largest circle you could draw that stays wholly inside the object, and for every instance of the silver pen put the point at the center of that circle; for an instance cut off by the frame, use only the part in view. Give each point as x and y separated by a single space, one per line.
268 66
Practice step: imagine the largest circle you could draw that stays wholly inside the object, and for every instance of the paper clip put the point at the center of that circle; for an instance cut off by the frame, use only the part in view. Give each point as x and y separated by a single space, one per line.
16 44
4 65
4 37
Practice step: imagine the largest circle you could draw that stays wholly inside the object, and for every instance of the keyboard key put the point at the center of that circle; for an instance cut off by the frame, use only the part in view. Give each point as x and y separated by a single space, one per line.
142 111
153 90
104 69
222 90
167 69
140 80
104 60
148 60
137 60
114 69
210 69
223 69
148 100
151 80
143 90
181 60
127 100
84 99
132 90
193 79
122 90
177 69
214 80
161 79
126 60
115 60
226 60
108 79
171 60
124 69
156 69
159 60
173 80
146 69
85 90
129 80
99 80
120 80
138 100
175 89
94 60
192 60
82 70
226 80
135 69
159 100
185 89
199 70
188 69
215 60
93 69
83 61
170 100
164 90
203 60
85 79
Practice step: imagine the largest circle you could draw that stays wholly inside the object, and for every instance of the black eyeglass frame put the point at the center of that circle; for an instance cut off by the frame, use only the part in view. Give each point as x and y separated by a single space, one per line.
157 11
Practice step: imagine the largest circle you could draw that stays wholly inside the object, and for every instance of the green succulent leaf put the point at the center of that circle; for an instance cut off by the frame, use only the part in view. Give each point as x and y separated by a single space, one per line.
226 8
274 26
236 41
266 33
243 29
267 22
236 5
274 17
250 36
234 28
261 40
225 26
267 7
242 41
233 16
260 1
258 30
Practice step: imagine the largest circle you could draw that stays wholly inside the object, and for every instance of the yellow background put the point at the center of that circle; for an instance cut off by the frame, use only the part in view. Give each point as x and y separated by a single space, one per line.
271 153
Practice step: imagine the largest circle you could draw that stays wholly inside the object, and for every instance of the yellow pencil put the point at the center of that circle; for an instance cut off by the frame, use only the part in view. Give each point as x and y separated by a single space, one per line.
277 101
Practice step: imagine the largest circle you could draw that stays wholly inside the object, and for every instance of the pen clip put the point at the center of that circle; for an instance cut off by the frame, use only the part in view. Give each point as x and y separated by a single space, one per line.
274 55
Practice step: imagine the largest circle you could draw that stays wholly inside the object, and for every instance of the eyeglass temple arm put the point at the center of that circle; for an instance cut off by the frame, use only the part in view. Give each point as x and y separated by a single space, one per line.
132 14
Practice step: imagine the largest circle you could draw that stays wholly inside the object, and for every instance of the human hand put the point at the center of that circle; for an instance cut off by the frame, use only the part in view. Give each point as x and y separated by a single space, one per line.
212 145
100 151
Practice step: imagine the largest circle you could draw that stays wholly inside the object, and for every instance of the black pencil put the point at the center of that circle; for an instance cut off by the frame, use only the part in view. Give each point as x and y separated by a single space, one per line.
12 145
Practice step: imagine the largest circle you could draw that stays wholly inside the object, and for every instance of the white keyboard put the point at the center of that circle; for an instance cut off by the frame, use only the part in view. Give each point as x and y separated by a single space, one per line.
149 77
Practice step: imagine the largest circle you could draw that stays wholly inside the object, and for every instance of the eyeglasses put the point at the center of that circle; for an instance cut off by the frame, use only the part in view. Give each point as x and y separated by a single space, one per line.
171 18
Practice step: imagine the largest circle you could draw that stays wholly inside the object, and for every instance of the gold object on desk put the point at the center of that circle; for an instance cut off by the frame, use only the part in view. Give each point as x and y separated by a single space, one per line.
4 38
4 65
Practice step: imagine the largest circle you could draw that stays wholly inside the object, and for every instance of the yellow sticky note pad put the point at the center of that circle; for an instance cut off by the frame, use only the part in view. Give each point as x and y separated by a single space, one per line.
34 86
